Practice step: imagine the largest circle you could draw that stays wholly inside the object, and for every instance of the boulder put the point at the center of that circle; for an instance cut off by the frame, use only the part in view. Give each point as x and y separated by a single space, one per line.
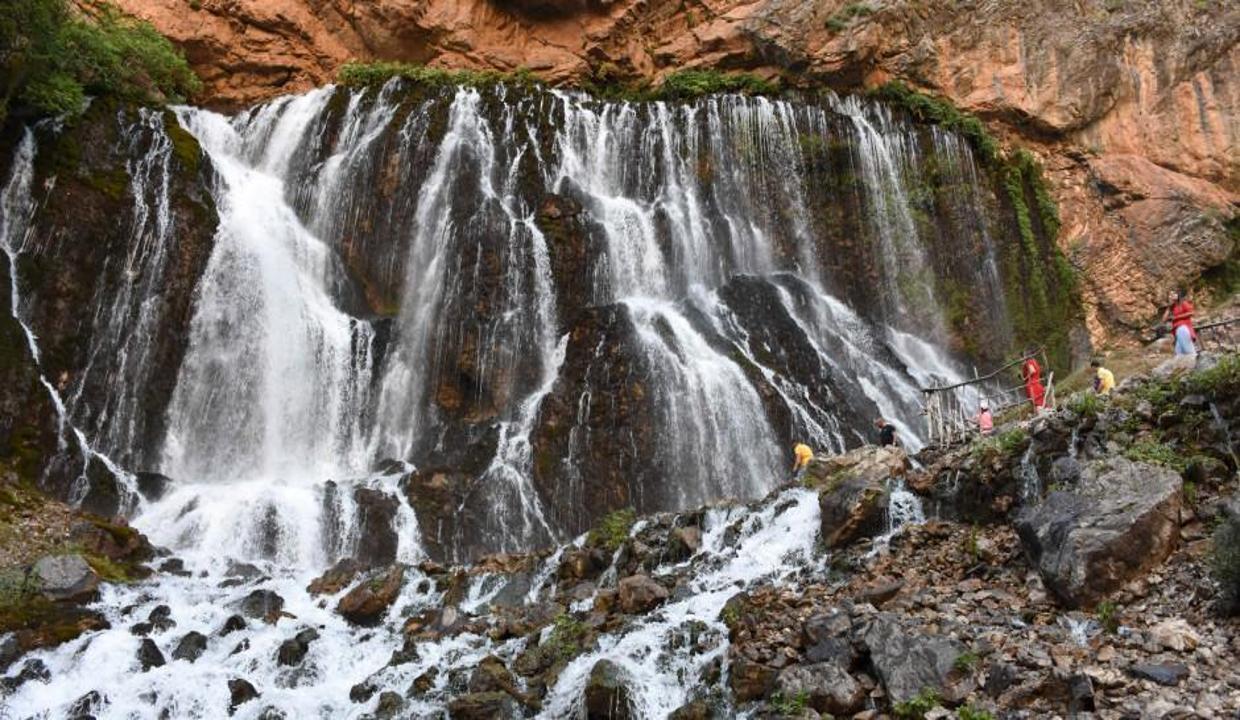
639 594
149 655
191 647
852 492
389 705
376 527
484 706
293 651
1121 520
232 625
826 686
683 542
336 578
262 604
606 694
1175 634
65 577
160 618
1169 674
240 691
750 680
85 707
909 661
695 710
152 485
367 603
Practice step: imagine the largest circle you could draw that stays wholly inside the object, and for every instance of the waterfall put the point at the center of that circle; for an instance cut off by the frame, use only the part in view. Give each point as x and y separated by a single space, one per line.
543 305
386 289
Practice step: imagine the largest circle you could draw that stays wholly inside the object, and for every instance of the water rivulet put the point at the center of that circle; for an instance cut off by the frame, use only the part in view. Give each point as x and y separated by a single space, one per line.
415 321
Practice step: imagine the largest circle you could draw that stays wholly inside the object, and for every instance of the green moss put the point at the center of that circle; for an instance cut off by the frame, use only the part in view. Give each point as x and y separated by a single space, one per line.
184 145
690 84
566 639
917 707
789 705
1156 453
613 530
927 108
113 182
108 569
358 74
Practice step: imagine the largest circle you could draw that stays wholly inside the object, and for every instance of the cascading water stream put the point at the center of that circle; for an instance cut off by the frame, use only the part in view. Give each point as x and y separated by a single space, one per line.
386 297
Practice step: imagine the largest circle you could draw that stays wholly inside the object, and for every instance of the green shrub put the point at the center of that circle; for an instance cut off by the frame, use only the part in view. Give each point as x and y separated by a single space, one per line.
1108 616
56 55
1087 404
917 707
842 18
566 637
612 530
940 112
966 661
968 712
359 74
789 705
690 84
1012 440
1156 453
1225 564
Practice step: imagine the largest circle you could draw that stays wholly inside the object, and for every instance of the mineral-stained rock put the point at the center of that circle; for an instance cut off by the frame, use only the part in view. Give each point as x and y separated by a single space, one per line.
1122 520
65 577
826 686
484 706
606 694
366 603
908 661
639 594
262 604
335 578
750 680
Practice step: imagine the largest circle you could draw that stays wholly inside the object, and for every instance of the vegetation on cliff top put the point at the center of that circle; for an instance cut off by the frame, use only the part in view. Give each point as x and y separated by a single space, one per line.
54 54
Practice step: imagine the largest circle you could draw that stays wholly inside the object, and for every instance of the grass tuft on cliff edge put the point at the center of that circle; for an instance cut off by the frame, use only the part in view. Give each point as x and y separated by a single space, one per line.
57 53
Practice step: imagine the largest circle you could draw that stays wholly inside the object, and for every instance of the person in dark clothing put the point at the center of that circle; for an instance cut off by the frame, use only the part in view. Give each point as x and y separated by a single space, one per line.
886 433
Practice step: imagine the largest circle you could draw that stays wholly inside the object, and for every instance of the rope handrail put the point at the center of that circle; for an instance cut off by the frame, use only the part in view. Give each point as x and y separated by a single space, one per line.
984 378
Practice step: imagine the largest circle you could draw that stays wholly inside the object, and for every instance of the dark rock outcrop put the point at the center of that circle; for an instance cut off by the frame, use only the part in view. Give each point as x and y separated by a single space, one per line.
367 603
606 694
191 647
1121 520
908 661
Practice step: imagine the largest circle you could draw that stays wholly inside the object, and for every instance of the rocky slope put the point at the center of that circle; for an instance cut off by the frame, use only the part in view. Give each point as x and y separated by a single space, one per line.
828 598
1132 105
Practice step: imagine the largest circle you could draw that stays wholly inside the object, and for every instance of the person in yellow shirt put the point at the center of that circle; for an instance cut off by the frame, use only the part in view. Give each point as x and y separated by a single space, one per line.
1104 380
803 457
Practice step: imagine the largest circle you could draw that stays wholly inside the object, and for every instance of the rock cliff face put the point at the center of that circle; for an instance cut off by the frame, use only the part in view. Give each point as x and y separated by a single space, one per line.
1132 106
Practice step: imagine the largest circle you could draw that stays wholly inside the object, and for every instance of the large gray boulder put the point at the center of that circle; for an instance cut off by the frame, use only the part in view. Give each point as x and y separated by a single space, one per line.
908 661
1121 520
65 577
826 686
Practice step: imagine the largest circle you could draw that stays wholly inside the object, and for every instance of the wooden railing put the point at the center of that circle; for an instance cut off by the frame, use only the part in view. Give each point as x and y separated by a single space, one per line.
951 415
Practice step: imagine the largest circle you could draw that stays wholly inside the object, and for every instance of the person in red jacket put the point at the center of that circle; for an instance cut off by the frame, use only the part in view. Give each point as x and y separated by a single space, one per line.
1031 373
1180 315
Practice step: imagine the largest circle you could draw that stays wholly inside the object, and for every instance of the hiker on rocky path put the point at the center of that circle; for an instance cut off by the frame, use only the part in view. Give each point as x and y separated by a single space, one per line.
1180 315
985 421
804 454
1104 380
886 433
1031 373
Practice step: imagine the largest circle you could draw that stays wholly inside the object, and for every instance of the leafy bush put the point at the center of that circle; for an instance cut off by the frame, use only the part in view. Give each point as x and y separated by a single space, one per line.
1087 404
358 74
917 707
1225 563
612 530
566 636
55 55
968 712
1108 616
789 705
1156 453
689 84
966 661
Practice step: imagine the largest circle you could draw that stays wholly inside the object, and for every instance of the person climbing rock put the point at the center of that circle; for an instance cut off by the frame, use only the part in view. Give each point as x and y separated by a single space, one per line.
1180 315
1104 380
804 454
1031 373
886 433
985 421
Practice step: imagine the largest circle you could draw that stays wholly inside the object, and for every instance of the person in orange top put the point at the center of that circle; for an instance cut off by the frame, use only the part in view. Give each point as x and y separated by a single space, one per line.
1180 315
1031 373
804 454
